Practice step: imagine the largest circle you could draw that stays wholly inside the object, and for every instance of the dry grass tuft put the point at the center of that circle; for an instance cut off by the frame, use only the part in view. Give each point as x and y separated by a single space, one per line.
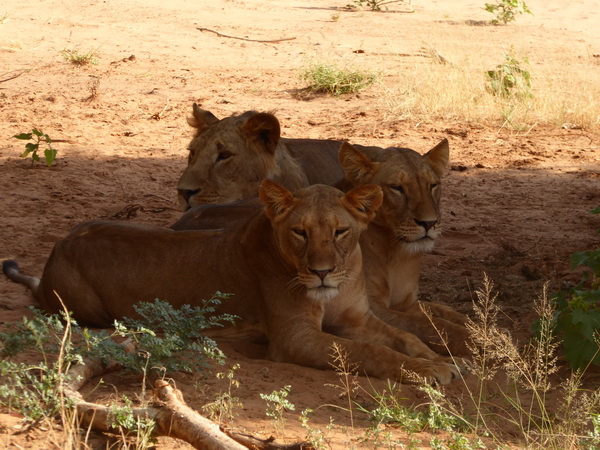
457 89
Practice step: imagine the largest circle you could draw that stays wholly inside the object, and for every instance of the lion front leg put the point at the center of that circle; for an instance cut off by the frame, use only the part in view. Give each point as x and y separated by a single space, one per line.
314 348
442 311
443 336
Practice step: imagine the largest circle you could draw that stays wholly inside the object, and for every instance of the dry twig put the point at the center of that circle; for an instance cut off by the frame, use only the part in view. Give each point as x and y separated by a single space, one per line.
173 417
274 41
12 77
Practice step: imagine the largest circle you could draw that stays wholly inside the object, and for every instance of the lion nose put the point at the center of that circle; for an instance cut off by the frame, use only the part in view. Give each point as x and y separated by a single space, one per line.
321 273
188 193
427 224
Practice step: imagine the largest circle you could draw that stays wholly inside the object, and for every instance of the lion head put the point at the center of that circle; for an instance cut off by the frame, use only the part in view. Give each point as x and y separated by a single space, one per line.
411 189
321 243
229 158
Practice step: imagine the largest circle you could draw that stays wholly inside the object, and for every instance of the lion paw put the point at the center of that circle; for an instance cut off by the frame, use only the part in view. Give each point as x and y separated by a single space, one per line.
433 372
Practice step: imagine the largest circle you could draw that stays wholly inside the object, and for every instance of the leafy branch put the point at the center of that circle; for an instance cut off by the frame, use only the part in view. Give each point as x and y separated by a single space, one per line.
39 138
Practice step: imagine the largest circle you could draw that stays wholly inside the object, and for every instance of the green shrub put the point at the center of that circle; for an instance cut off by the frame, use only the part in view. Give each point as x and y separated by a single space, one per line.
330 79
32 389
32 148
577 317
510 79
80 58
507 10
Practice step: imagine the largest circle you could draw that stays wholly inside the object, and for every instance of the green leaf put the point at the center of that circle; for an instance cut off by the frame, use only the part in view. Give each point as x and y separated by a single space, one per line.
589 259
580 351
23 136
587 322
37 132
50 155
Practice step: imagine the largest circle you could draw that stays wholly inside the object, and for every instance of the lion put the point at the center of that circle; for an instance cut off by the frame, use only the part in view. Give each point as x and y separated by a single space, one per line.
405 227
294 268
229 158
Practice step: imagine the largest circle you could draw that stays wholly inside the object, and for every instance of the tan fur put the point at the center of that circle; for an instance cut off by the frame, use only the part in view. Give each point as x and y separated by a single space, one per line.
405 227
294 267
230 157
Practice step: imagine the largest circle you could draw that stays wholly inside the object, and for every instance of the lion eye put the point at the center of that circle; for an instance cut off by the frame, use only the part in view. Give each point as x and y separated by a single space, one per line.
434 185
190 156
397 188
341 232
225 154
299 233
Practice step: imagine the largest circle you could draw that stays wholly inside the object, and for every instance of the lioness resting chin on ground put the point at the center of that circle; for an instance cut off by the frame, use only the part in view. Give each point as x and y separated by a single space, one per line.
404 228
294 267
228 159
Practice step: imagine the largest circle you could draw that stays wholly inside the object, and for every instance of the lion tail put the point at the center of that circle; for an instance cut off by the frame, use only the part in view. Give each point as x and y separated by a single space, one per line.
13 272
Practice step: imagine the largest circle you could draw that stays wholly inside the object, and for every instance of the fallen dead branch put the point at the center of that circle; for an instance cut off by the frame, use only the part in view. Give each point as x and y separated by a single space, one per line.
12 75
172 416
274 41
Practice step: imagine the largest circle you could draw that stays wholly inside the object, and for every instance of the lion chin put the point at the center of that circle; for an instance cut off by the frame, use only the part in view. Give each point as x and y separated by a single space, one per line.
422 245
322 293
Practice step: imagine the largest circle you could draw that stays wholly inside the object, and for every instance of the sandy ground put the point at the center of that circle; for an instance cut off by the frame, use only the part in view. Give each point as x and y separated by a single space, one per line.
515 205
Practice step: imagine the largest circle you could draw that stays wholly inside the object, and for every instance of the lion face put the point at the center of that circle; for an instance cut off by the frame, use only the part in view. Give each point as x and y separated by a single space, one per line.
321 244
411 188
228 158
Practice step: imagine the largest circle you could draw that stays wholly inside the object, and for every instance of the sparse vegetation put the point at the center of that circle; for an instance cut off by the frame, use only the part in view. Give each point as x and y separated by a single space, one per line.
222 408
510 79
36 391
373 5
31 148
577 316
122 418
277 404
94 88
520 402
348 384
80 58
506 11
560 96
331 79
316 436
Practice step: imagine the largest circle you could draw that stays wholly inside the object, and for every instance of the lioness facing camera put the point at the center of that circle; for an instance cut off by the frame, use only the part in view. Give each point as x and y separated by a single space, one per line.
403 230
294 267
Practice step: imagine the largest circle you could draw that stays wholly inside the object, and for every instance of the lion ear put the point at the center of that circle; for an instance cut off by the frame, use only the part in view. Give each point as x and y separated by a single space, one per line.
201 119
358 168
364 201
264 130
438 157
276 198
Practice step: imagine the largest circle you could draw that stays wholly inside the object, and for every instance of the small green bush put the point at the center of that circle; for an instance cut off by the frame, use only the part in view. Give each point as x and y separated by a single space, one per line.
277 404
510 79
328 78
80 58
177 344
507 10
39 138
577 316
